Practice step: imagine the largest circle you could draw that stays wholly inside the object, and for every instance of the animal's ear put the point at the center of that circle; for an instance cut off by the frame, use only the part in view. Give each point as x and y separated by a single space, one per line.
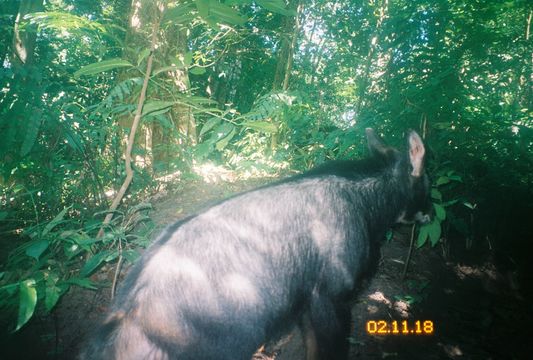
376 146
416 154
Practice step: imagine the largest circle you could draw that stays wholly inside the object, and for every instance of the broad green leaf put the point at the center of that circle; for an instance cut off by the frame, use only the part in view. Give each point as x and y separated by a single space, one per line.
52 295
237 2
187 58
64 21
203 149
224 14
222 130
143 55
10 288
102 66
440 212
180 14
209 125
197 70
82 282
456 178
276 6
261 126
36 249
55 221
436 194
442 180
197 100
203 7
156 105
27 302
71 249
220 145
73 140
52 292
422 236
94 262
434 231
3 215
32 130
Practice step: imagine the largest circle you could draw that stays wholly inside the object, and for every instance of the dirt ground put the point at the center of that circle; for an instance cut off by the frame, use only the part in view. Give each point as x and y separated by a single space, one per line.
476 311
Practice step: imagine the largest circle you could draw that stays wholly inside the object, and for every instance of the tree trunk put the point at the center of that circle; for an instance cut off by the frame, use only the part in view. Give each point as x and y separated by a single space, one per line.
291 28
25 34
383 13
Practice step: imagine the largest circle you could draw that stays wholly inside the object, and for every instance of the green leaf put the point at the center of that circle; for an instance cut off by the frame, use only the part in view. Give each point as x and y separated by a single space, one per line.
156 105
203 7
263 126
32 130
450 203
180 14
203 149
197 70
187 58
82 282
224 142
131 255
224 14
52 295
209 125
55 221
143 55
102 66
469 205
94 262
27 302
434 231
10 288
3 215
197 100
456 178
36 249
52 291
276 6
64 21
440 212
222 130
422 236
436 194
442 180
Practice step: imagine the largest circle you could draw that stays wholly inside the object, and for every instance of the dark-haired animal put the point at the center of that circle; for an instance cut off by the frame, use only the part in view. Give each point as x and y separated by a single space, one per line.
220 283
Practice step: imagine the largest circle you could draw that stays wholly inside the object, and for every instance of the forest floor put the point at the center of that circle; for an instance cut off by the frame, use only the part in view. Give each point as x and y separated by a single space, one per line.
476 311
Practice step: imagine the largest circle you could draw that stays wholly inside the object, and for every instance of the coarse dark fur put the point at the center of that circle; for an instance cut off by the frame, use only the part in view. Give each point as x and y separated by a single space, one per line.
220 283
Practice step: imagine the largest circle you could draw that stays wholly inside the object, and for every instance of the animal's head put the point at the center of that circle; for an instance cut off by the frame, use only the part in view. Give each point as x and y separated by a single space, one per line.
410 172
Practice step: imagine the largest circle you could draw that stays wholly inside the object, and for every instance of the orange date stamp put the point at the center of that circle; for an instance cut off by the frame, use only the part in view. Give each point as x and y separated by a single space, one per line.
404 327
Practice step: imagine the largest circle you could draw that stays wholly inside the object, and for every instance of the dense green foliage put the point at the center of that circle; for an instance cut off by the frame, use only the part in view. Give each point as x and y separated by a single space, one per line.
255 86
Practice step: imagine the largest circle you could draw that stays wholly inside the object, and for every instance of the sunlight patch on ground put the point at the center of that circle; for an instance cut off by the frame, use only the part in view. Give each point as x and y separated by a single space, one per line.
379 297
212 173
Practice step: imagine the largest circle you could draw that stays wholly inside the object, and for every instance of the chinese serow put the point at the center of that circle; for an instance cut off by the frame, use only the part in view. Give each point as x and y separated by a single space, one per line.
220 283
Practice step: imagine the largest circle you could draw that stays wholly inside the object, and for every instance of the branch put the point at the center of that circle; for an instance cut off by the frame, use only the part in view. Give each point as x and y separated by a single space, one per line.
131 138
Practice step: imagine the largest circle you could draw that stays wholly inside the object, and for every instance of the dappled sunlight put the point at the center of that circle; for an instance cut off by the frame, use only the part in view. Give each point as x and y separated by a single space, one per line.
211 173
378 296
452 350
400 307
171 177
